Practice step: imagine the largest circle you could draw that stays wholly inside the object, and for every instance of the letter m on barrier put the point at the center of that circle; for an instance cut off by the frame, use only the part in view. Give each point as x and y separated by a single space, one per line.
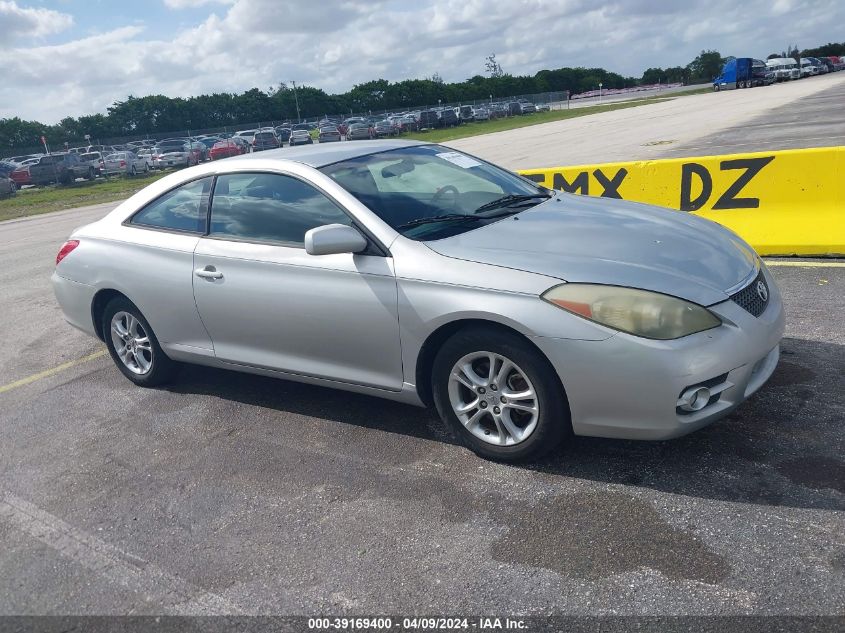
581 183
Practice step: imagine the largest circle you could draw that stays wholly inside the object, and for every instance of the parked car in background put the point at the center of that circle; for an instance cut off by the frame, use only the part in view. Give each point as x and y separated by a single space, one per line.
21 173
147 154
300 137
514 108
57 168
360 131
124 164
242 143
344 126
408 123
226 149
543 107
209 142
328 134
173 153
248 136
385 128
265 139
480 114
429 120
95 163
448 118
20 159
528 107
8 187
283 134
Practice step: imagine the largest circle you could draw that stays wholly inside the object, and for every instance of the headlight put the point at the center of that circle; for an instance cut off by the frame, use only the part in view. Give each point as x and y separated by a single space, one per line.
639 312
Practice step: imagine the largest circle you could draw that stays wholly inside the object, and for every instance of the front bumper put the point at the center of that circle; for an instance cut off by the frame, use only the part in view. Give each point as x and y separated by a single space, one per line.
628 387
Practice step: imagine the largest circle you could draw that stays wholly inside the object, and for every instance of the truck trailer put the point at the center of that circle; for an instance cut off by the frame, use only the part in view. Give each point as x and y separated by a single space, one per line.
743 72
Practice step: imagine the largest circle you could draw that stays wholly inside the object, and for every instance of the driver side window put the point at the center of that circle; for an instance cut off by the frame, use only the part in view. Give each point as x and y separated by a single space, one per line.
258 207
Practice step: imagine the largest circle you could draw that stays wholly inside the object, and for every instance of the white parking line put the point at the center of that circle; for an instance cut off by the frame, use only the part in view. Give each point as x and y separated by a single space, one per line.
173 595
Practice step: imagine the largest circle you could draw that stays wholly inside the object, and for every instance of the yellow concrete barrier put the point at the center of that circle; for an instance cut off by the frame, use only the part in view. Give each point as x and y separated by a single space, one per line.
789 202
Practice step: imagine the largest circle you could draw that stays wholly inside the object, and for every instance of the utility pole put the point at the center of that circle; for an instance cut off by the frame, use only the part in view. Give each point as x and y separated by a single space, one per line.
296 98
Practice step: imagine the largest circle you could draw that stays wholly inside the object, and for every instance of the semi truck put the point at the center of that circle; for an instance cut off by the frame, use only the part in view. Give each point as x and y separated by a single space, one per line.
743 72
785 68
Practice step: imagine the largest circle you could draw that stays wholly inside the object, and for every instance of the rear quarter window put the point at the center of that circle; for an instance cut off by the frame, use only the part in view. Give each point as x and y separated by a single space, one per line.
182 209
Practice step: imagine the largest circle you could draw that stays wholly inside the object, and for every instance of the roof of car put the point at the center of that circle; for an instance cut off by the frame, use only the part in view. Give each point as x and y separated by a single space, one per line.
329 153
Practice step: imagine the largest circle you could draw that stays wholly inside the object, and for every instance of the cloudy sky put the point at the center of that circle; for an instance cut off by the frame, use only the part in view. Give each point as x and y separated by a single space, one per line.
73 57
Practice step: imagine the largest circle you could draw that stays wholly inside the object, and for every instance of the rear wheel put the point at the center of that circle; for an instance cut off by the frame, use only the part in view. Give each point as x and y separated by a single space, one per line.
500 395
133 346
91 174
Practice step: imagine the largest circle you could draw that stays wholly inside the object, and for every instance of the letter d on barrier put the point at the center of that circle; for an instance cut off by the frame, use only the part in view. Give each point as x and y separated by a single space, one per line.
687 171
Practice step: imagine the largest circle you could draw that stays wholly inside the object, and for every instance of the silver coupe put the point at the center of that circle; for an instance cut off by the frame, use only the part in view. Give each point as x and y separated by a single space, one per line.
425 275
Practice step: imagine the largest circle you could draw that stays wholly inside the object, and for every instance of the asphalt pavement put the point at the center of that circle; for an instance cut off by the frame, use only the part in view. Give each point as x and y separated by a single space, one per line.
816 120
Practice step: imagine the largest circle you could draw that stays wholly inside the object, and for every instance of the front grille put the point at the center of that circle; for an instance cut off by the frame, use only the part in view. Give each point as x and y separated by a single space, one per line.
754 297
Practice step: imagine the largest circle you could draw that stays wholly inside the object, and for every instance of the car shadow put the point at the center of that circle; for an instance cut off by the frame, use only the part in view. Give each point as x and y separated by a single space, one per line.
783 447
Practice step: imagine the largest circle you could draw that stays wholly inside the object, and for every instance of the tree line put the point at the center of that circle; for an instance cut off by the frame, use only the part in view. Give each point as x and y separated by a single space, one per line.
159 114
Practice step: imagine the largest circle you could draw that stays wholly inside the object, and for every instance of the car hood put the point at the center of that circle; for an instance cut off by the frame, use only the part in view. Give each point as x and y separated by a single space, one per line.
598 240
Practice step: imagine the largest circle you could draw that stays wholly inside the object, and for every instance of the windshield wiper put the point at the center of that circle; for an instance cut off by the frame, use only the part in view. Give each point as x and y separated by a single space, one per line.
509 200
440 218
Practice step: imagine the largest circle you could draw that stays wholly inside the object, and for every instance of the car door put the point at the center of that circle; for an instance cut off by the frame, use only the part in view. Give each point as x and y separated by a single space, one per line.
266 303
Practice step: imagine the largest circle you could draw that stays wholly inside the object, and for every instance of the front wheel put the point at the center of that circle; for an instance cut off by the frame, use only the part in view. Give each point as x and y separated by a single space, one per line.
500 395
133 346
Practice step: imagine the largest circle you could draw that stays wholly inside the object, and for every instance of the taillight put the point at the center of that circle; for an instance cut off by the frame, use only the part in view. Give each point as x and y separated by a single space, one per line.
65 250
123 163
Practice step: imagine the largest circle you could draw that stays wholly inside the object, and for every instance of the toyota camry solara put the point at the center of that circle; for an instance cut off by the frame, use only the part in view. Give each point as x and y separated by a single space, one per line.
417 273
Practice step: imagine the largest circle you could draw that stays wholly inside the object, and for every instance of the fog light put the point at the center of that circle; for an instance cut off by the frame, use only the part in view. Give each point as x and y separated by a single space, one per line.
694 399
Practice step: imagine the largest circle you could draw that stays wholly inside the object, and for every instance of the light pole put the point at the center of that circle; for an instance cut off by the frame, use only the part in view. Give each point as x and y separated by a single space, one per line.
599 93
296 99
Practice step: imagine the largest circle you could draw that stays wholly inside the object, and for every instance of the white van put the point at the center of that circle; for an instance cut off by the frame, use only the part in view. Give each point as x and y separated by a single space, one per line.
785 68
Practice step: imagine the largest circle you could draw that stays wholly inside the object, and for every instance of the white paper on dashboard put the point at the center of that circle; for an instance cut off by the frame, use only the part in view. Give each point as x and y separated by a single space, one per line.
461 160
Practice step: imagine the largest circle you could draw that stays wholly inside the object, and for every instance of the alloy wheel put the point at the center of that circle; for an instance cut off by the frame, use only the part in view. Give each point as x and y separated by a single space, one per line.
132 343
493 398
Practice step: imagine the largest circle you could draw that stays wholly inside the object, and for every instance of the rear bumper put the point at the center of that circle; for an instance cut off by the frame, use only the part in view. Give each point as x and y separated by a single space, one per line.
75 300
629 387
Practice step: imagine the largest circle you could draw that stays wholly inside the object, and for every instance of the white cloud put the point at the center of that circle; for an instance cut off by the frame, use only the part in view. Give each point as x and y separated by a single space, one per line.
334 44
192 4
18 22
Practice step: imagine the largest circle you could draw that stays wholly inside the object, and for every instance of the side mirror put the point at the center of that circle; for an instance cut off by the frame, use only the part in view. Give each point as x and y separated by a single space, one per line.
333 239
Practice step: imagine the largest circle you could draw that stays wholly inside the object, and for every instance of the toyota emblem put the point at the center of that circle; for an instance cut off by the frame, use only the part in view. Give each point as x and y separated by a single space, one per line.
762 291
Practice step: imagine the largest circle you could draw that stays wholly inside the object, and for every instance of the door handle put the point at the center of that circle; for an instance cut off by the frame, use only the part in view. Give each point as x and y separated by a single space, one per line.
208 272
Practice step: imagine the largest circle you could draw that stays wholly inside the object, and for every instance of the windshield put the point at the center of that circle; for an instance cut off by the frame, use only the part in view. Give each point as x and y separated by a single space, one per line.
408 187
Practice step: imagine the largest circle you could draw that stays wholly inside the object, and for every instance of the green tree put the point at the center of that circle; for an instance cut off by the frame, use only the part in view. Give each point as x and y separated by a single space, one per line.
706 66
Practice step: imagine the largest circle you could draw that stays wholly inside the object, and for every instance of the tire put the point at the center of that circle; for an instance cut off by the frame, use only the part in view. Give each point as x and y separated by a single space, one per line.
544 428
91 175
715 87
132 172
152 367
